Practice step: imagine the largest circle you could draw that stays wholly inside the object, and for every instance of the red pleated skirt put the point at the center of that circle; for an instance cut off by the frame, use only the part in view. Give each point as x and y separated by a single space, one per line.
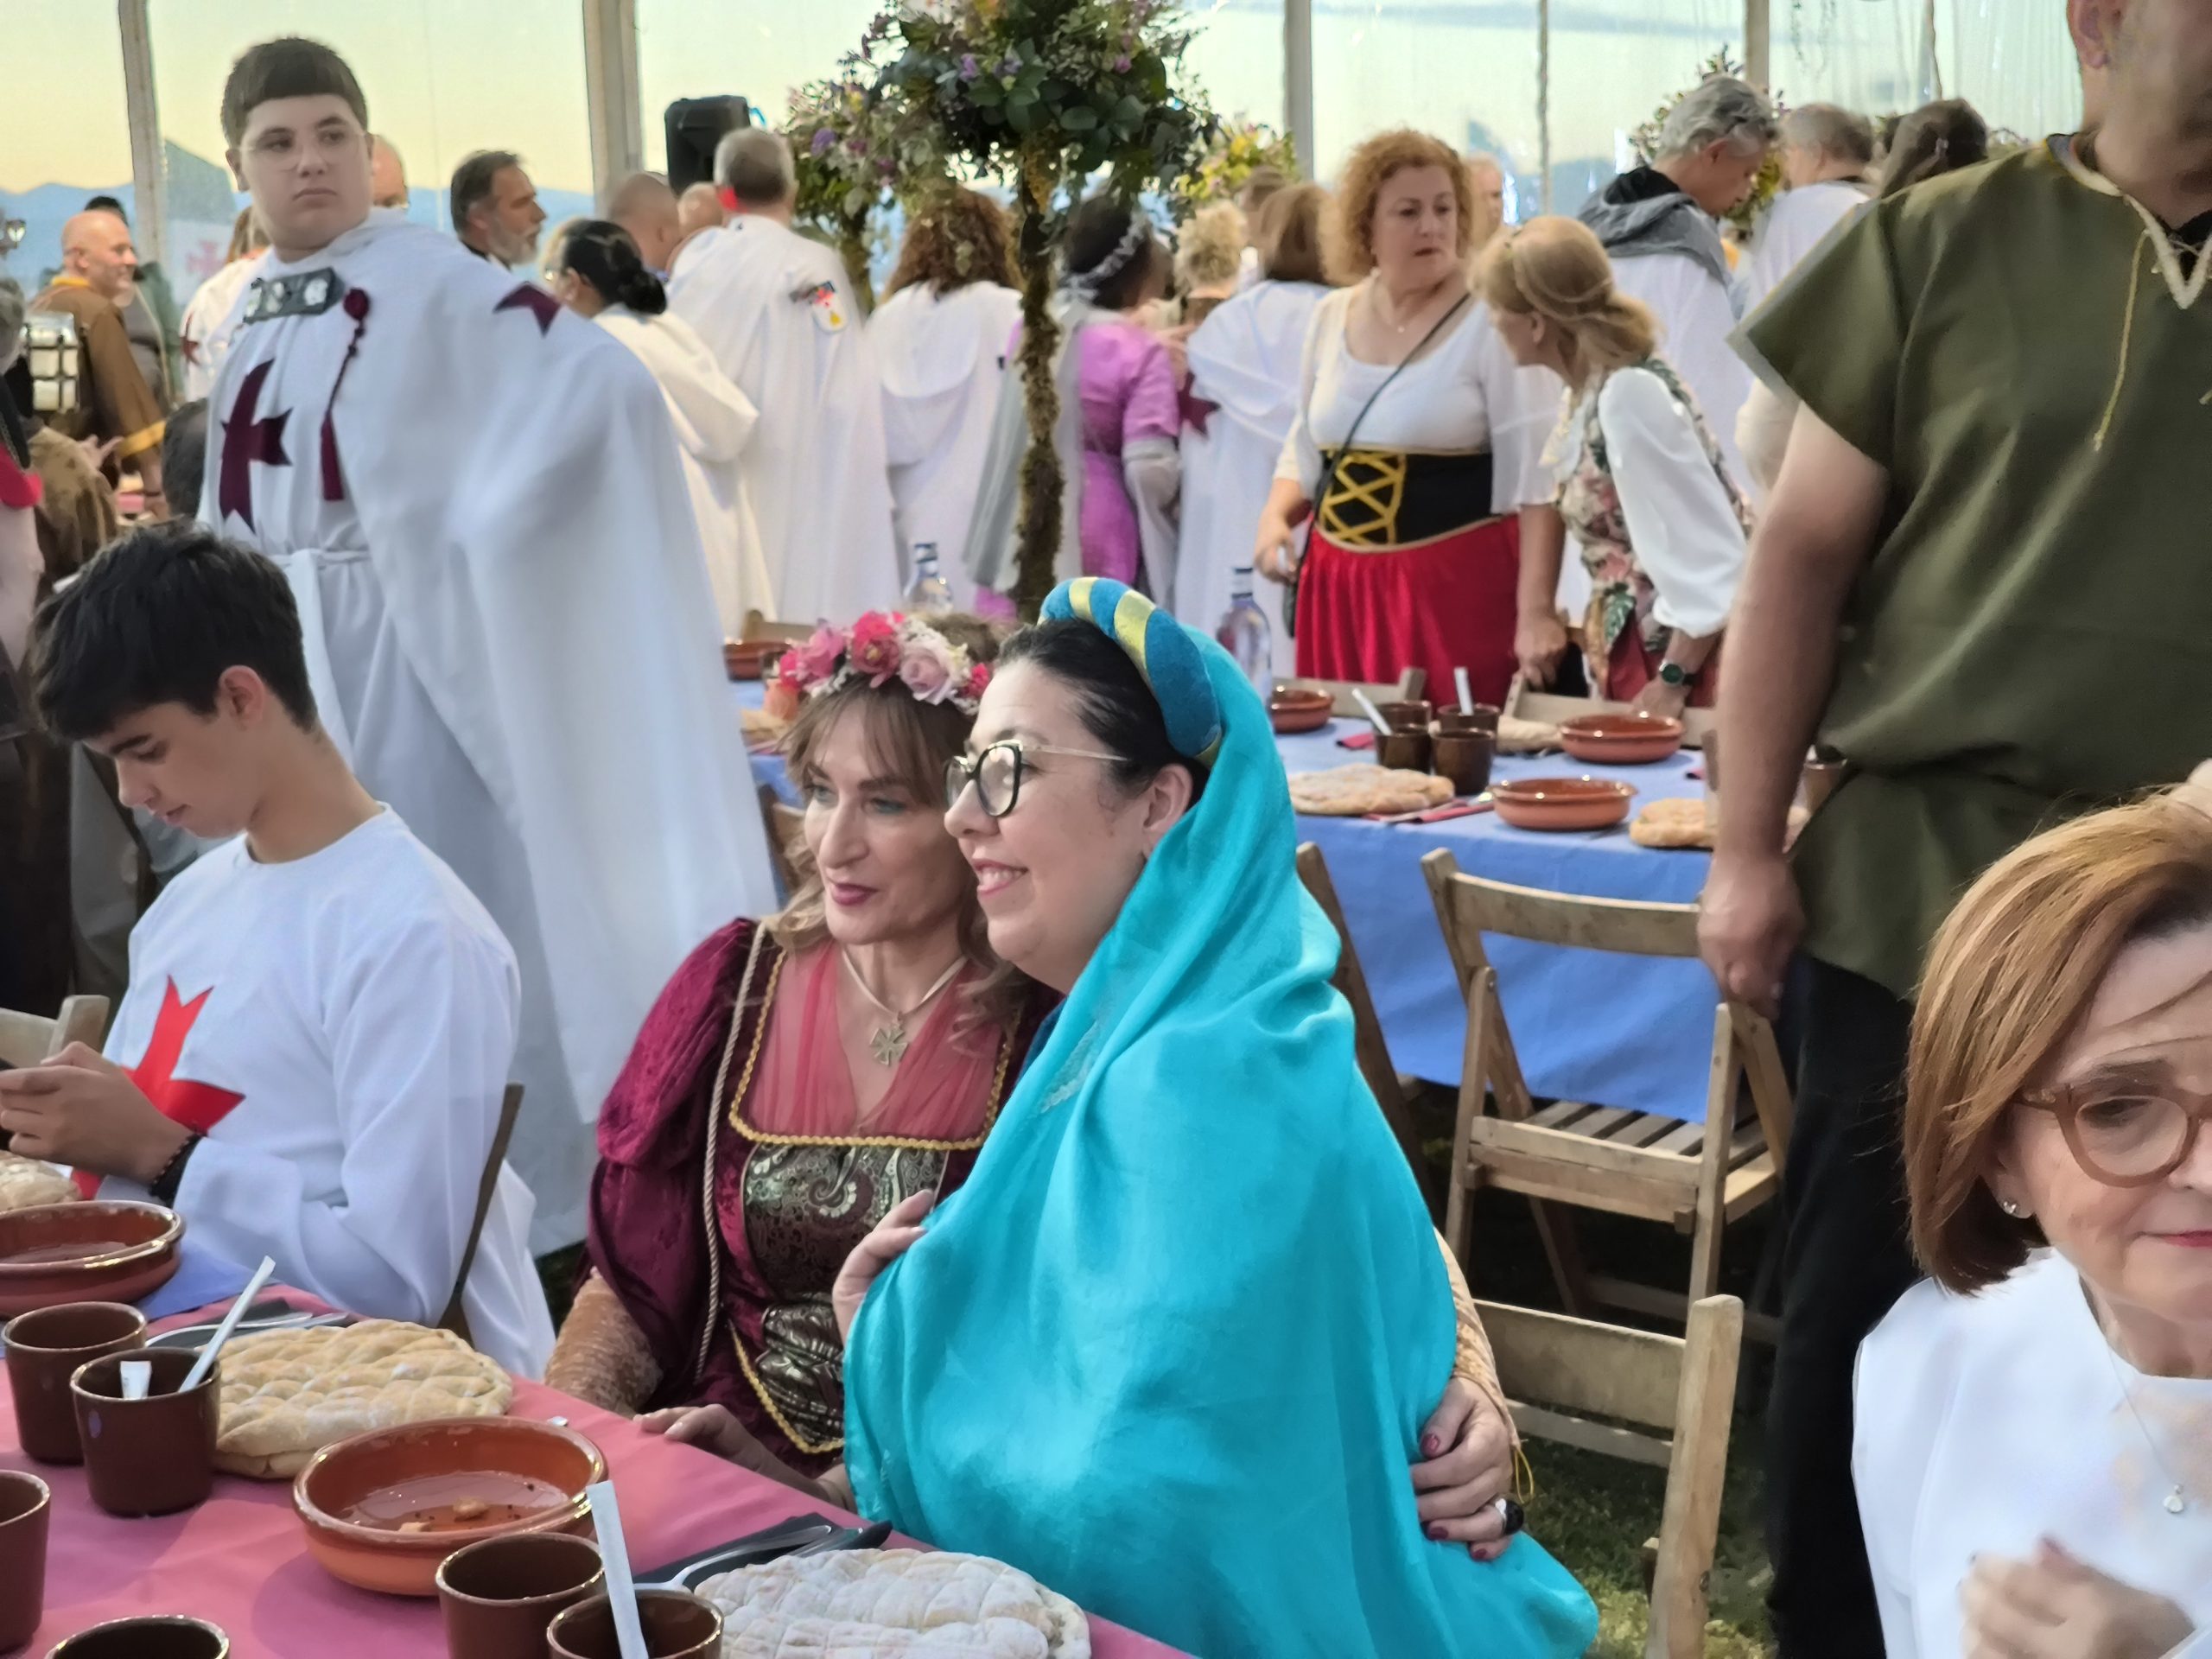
1445 603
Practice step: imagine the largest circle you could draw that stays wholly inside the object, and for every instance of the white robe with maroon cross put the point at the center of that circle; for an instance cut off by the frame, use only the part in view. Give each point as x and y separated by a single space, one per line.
476 497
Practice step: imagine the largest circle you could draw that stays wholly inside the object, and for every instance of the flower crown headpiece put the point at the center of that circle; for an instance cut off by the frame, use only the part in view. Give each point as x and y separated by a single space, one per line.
883 646
1087 283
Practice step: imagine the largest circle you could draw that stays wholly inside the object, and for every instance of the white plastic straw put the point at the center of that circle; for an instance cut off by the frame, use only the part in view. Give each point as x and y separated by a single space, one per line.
138 1378
1368 708
615 1556
1466 693
206 1363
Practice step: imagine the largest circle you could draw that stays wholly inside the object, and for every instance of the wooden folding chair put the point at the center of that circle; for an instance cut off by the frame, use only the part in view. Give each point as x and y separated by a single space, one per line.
757 626
1410 685
1559 1373
786 826
1698 1176
455 1317
1374 1050
1522 703
33 1039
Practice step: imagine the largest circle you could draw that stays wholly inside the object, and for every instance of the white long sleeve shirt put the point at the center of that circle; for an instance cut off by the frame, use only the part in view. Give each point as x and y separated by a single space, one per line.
1985 1423
340 1028
1681 524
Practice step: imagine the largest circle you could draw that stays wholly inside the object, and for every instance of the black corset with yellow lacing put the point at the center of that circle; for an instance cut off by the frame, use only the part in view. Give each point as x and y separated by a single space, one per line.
1390 498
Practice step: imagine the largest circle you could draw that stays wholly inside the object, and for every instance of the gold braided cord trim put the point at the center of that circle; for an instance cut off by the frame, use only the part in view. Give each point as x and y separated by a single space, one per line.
2186 290
823 1448
812 1448
2126 340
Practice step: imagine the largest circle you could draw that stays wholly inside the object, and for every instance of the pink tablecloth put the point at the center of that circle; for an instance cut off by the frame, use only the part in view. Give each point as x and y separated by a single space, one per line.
240 1561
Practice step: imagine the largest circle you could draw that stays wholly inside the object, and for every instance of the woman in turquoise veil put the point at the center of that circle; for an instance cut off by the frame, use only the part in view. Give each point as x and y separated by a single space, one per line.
1170 1347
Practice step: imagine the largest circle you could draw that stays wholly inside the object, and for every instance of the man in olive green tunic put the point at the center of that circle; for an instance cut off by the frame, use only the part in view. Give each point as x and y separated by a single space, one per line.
1980 577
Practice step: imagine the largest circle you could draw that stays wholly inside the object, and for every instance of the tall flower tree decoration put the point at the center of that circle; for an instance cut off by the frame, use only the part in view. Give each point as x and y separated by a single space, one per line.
1043 94
844 143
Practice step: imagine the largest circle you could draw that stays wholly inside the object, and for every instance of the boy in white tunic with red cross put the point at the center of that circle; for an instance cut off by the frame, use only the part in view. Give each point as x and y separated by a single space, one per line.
477 500
310 1058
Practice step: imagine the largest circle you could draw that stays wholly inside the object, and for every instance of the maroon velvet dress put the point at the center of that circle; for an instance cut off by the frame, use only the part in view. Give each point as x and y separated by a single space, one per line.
721 1239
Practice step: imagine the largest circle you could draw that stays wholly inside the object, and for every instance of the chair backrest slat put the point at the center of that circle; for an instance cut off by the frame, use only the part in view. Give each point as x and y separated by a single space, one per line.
32 1040
1631 927
1580 1366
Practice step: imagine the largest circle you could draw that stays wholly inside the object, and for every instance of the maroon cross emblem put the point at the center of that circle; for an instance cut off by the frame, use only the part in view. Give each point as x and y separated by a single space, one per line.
535 299
246 440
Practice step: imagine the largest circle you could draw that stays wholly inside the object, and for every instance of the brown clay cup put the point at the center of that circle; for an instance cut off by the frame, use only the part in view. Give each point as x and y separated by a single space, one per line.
1406 716
153 1456
1464 758
1403 750
169 1636
678 1625
499 1595
1455 721
45 1348
25 1507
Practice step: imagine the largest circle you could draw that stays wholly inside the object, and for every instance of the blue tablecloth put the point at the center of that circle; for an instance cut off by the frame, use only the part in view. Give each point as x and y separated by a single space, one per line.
1631 1032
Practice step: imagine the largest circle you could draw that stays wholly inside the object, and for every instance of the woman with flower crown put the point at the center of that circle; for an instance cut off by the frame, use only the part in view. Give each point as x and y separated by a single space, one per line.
803 1075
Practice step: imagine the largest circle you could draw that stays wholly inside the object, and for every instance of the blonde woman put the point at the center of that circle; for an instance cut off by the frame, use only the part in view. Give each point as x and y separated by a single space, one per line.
1417 441
1640 481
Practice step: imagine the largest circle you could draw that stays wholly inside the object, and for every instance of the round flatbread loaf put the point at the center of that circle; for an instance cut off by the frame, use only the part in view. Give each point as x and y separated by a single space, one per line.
1519 736
1677 823
26 1183
893 1604
1355 792
288 1394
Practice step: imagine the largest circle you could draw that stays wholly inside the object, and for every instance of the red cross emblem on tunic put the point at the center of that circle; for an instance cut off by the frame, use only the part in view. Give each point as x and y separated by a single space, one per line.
248 438
198 1106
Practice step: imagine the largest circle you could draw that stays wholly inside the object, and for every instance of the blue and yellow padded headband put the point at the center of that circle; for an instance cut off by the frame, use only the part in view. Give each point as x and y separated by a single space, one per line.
1163 651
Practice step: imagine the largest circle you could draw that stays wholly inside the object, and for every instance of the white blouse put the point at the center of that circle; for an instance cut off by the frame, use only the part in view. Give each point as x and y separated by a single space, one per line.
1465 394
1682 525
1988 1422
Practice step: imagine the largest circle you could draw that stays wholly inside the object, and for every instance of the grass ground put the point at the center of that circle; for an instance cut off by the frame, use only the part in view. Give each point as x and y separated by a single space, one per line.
1594 1513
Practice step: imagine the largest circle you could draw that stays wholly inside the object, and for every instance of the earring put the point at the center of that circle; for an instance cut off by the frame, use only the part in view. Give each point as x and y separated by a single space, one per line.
2016 1212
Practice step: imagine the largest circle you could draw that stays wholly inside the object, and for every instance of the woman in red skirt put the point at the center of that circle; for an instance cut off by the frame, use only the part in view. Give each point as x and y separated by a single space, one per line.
1419 436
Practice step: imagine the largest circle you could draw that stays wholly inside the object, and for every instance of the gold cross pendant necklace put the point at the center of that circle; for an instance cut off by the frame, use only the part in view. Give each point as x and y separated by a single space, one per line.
889 1043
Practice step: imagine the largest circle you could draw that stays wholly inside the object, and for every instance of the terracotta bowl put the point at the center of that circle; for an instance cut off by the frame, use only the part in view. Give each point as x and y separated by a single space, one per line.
423 1465
747 659
1561 803
1632 739
98 1252
1292 710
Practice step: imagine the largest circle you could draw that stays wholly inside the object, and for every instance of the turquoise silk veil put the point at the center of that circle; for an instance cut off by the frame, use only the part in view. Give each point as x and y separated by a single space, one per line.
1170 1348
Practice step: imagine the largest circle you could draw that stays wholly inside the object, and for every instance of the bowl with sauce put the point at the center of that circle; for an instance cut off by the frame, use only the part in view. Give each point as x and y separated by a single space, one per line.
102 1251
1294 709
383 1510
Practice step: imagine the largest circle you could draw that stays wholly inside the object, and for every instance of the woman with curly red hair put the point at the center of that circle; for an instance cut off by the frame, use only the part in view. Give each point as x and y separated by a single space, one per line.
1417 443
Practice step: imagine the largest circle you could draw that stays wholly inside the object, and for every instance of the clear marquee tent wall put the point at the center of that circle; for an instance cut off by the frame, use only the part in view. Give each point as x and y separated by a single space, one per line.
125 101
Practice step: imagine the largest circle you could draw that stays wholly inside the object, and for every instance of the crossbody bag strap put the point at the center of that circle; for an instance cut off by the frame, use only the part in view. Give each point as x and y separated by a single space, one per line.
1351 434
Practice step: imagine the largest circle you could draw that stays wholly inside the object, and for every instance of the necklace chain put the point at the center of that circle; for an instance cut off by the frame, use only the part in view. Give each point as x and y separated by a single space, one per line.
889 1042
2176 1500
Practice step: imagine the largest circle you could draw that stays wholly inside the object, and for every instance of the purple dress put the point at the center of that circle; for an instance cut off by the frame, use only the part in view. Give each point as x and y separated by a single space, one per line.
1129 395
1128 383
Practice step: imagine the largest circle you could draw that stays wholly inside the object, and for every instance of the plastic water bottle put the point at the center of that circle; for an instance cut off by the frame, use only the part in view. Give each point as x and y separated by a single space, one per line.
1243 632
929 595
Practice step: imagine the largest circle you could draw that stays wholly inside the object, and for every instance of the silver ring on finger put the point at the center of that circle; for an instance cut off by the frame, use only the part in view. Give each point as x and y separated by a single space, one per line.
1511 1517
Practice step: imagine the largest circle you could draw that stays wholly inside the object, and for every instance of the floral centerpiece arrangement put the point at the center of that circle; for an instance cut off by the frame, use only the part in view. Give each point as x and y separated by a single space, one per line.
1239 149
1645 141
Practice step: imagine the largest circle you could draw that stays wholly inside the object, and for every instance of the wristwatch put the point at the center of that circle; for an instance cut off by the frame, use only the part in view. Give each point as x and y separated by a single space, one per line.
1673 674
